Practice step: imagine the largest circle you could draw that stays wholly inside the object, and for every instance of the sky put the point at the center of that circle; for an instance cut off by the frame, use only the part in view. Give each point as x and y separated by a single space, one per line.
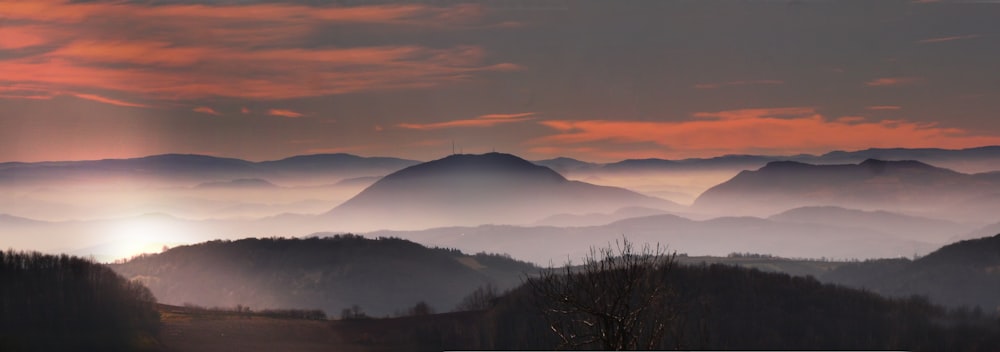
593 80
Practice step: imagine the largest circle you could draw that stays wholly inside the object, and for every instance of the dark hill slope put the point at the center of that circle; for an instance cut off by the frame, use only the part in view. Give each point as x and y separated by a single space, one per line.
963 273
63 303
381 276
718 307
491 188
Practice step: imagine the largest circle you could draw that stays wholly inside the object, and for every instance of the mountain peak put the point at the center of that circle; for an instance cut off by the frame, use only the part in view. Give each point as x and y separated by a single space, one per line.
476 189
483 165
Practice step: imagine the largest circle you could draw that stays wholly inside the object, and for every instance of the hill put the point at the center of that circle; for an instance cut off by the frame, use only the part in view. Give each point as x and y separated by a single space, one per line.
899 225
966 273
63 303
713 307
902 186
491 188
718 237
716 307
380 276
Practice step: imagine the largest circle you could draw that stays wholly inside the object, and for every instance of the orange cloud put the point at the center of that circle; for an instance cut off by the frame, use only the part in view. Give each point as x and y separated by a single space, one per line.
106 100
479 121
737 84
17 37
892 81
884 107
779 131
284 113
192 51
947 39
206 110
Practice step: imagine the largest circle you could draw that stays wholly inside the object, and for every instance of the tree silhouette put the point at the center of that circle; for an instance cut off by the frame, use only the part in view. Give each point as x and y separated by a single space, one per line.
616 300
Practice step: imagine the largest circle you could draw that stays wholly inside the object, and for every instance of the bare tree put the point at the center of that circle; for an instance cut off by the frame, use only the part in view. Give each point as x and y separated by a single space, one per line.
619 299
481 299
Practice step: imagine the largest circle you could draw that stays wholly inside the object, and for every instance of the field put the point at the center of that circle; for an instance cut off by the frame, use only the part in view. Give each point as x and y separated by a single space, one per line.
186 329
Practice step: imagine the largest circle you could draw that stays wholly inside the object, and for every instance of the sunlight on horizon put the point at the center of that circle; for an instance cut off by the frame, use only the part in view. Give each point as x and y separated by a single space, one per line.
135 236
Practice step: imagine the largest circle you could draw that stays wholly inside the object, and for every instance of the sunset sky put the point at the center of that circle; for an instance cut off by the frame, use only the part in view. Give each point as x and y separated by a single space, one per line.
594 80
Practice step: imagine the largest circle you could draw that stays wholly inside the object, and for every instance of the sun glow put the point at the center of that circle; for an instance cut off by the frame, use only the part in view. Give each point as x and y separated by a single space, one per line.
134 236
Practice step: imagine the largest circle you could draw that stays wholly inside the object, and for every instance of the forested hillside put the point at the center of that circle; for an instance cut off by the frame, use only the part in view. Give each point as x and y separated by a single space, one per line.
379 276
63 303
966 273
719 307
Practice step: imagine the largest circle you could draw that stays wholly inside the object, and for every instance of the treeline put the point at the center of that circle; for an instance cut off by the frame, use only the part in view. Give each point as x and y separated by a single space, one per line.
719 307
647 302
64 303
244 311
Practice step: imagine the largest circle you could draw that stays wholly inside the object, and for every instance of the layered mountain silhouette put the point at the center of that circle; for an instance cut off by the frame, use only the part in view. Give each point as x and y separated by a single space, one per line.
189 167
902 226
718 237
491 188
903 186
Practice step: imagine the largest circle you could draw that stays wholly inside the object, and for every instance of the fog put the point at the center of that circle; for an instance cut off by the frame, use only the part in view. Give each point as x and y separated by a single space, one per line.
500 203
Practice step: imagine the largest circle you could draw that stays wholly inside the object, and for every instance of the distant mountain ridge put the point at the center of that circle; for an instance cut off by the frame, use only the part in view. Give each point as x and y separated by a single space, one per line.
492 188
902 186
925 229
188 167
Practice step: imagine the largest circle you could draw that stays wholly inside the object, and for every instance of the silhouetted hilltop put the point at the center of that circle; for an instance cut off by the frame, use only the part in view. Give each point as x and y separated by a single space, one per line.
873 184
491 188
381 276
966 273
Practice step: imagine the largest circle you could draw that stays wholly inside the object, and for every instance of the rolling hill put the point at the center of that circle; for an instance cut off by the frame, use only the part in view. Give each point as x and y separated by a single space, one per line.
381 276
966 273
464 190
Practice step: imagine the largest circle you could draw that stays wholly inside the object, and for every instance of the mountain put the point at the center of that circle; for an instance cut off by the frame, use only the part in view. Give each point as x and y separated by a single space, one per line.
966 273
565 165
899 225
969 160
900 186
719 237
11 220
984 231
381 276
464 189
242 183
186 168
596 219
339 165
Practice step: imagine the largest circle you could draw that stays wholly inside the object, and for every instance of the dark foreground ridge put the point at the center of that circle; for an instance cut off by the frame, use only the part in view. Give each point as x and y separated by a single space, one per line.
63 303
